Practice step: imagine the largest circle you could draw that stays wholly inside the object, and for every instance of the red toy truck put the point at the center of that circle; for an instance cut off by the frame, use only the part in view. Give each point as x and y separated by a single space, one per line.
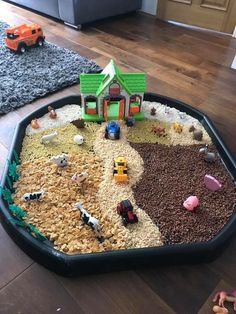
125 210
20 37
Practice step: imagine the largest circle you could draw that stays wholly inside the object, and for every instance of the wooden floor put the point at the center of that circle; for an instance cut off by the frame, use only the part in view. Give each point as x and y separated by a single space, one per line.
190 65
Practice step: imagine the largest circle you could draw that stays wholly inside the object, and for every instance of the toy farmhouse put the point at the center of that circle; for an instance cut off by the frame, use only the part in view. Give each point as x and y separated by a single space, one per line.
112 95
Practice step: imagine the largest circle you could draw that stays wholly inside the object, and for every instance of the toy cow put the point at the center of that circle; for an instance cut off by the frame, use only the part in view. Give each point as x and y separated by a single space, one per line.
32 196
48 137
90 221
208 156
79 178
60 160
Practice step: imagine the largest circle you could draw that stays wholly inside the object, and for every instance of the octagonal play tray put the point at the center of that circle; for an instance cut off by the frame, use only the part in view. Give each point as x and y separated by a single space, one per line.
69 265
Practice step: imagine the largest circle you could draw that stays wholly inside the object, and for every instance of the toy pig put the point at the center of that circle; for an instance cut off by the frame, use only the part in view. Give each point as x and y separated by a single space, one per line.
34 124
52 113
191 202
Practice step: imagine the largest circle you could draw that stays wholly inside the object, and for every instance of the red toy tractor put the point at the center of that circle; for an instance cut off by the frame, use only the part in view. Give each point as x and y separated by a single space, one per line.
125 210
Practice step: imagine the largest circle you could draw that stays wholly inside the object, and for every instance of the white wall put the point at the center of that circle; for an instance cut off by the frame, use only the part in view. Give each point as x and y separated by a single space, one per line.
149 6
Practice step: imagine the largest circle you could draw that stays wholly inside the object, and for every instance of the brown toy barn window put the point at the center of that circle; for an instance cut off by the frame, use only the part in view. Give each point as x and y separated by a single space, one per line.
135 104
114 89
90 105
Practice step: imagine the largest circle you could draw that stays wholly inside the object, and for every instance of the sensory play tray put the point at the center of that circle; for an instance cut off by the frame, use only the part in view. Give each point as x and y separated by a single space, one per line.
165 167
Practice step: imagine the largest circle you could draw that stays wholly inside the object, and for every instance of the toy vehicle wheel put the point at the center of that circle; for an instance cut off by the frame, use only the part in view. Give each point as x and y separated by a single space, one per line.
106 135
40 41
135 218
125 223
118 210
22 48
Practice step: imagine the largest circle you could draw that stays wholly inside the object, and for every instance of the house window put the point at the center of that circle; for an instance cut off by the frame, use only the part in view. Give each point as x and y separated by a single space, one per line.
135 104
114 89
90 103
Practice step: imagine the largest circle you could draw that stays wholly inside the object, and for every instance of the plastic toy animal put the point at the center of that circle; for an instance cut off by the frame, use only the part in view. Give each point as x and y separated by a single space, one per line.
34 124
212 183
191 202
159 131
90 221
153 111
60 160
182 115
208 156
225 296
48 137
32 196
52 112
78 139
167 110
197 135
177 127
79 178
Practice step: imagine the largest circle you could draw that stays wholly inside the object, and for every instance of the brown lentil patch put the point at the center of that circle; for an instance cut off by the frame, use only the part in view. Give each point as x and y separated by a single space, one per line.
173 173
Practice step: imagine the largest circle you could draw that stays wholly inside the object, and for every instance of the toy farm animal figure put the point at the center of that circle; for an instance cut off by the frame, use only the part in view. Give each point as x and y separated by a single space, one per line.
191 202
90 221
79 179
197 135
177 127
167 110
48 137
78 139
52 113
32 196
208 156
153 111
225 296
158 130
60 160
212 183
182 115
34 124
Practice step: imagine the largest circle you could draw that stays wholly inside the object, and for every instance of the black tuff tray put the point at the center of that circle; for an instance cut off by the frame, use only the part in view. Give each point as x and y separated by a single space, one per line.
71 265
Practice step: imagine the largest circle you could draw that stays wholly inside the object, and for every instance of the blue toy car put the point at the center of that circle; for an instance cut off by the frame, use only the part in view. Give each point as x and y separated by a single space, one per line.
112 130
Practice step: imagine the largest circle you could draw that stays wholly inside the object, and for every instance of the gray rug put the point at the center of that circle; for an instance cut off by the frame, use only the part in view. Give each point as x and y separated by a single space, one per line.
39 71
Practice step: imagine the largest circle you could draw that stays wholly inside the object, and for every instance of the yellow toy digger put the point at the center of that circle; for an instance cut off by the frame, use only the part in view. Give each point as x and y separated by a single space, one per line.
120 169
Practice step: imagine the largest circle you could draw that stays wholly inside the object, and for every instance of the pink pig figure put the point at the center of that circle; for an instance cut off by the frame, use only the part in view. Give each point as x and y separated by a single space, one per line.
191 202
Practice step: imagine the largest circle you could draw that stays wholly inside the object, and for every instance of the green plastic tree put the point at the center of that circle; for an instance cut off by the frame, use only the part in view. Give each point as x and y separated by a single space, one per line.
17 211
10 183
12 170
16 156
33 230
6 194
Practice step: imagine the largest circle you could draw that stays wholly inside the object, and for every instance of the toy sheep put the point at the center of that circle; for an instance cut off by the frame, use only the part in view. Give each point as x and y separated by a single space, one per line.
208 156
48 137
32 196
90 221
78 139
60 160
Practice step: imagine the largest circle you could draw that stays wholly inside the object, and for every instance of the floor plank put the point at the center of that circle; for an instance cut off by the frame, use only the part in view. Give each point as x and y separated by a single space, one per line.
37 291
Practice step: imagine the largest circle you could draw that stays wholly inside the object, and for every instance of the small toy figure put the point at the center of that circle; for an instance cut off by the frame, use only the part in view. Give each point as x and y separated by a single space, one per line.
191 202
32 196
167 110
112 130
60 160
182 115
208 156
177 127
78 139
125 210
79 179
20 37
52 112
130 121
225 296
158 130
79 123
120 169
153 111
48 137
90 221
197 135
212 183
34 124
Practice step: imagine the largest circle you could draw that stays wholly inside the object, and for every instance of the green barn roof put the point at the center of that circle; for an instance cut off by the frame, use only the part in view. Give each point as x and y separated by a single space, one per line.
96 83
